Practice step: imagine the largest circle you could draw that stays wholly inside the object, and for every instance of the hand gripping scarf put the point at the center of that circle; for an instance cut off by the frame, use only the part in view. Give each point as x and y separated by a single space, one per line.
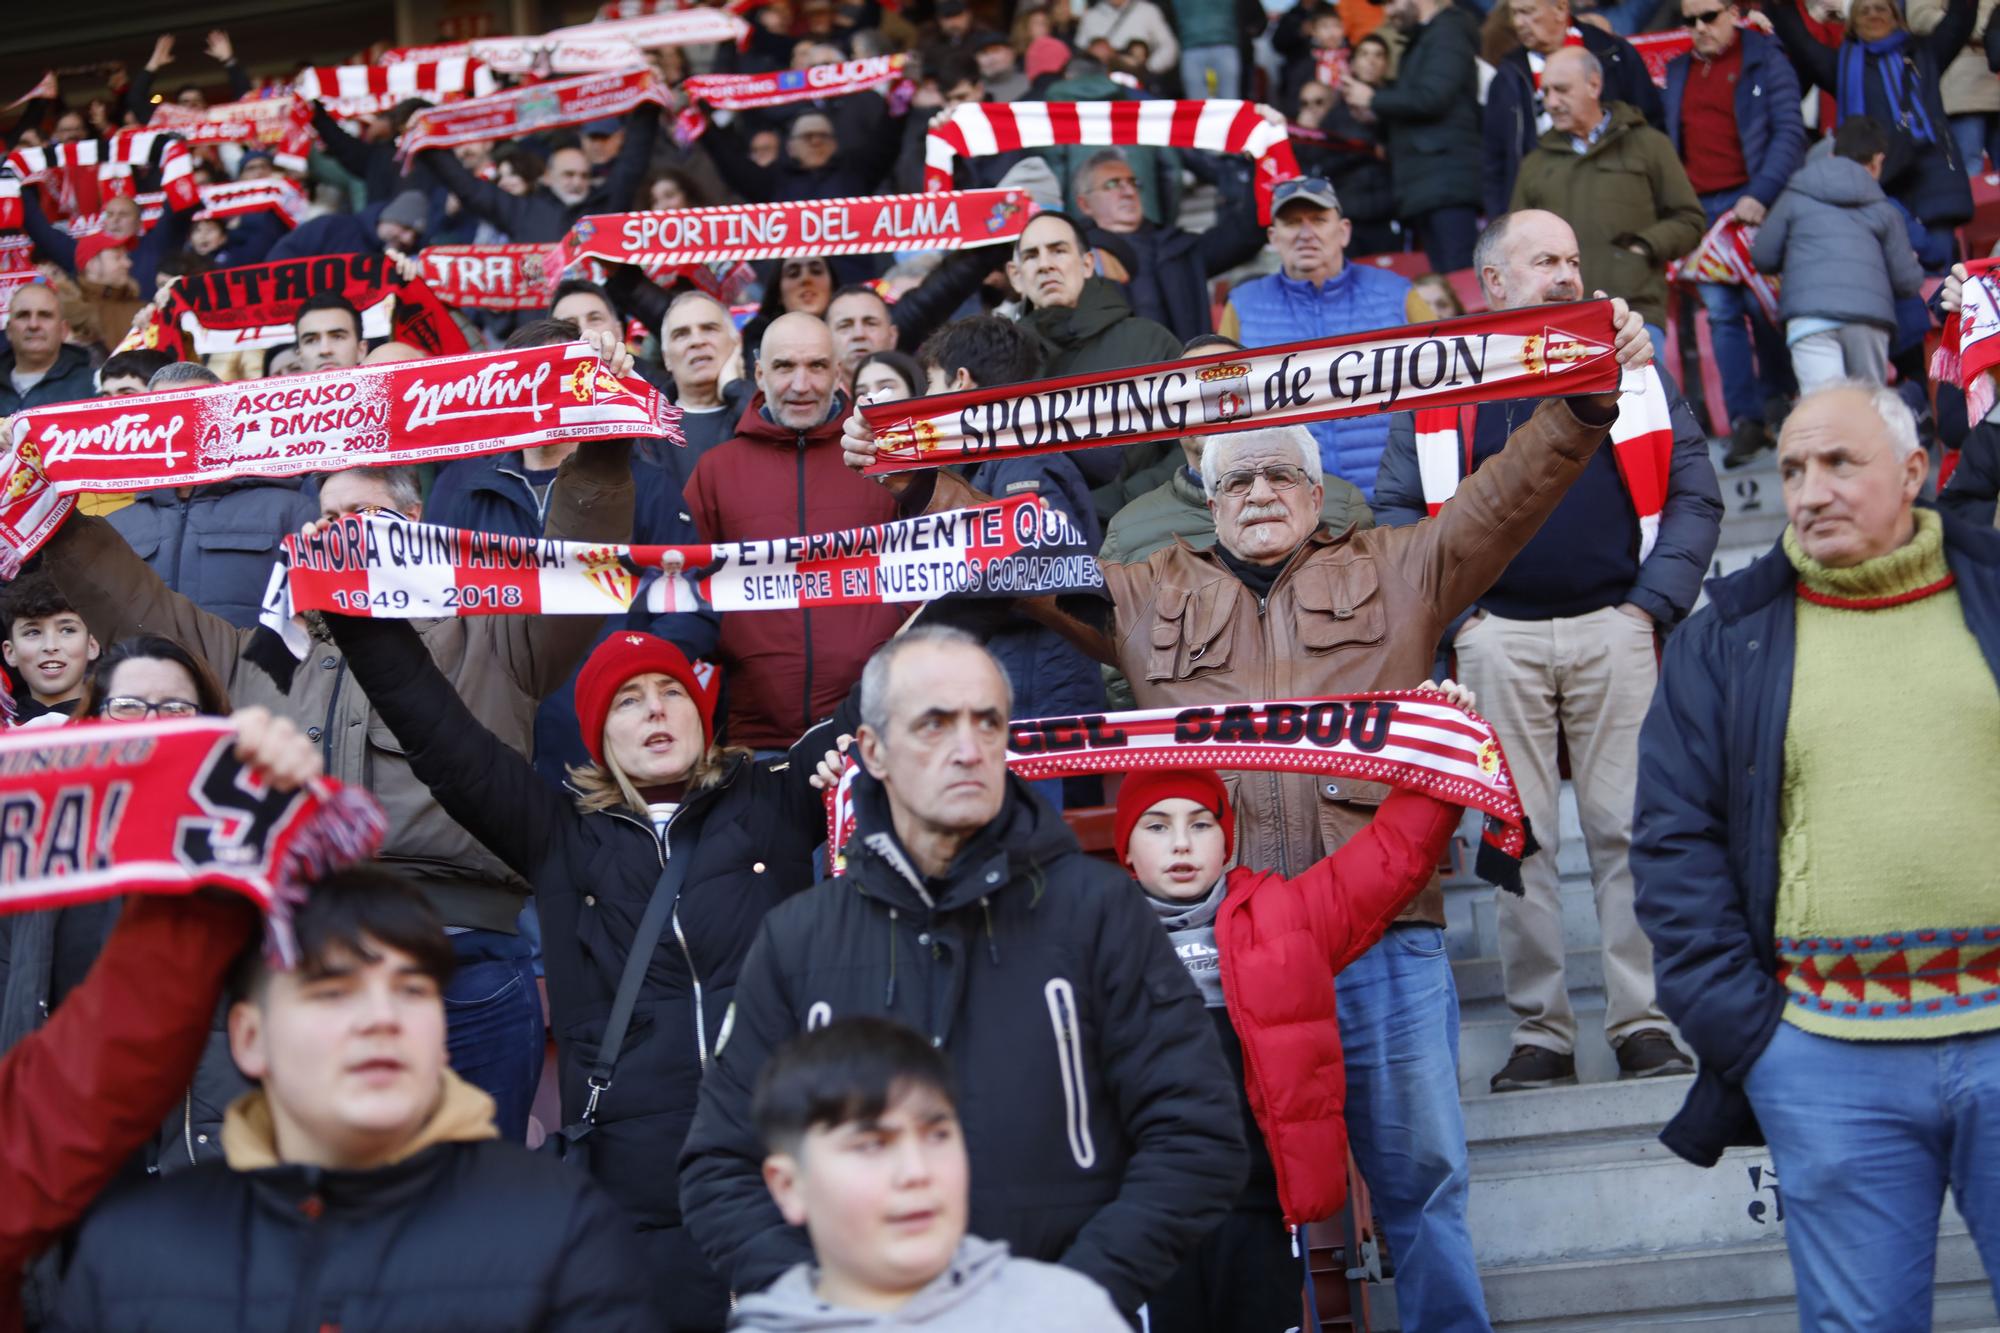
389 569
1971 346
489 277
1642 444
164 806
735 232
1528 353
1412 739
387 415
1724 257
981 129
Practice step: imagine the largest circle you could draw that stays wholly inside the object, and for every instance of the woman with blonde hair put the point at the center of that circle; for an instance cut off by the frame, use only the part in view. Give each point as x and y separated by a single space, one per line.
663 816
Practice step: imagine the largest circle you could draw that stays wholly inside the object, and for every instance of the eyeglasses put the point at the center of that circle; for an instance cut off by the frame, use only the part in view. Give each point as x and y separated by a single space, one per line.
126 708
1280 476
1703 20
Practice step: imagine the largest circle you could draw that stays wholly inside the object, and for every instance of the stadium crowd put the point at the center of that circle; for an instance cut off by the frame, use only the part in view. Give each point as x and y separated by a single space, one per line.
612 1033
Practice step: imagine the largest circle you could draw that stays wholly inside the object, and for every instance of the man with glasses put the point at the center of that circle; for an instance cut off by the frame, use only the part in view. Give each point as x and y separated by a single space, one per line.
1171 284
503 666
1284 607
1563 643
1316 293
1733 116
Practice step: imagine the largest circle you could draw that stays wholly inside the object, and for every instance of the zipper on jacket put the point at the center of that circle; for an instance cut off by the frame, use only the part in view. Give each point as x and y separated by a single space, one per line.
332 707
661 848
187 1124
806 699
1061 998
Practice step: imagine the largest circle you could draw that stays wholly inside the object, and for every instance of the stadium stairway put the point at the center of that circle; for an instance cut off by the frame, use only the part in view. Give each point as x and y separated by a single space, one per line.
1580 1217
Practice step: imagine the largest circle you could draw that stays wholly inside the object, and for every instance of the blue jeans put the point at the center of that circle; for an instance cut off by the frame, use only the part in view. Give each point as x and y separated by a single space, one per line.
1977 134
1746 384
1658 337
493 1017
1225 62
1399 1032
1865 1137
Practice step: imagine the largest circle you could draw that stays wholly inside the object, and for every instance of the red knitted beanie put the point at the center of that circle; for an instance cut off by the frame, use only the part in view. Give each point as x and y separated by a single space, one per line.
1145 789
627 654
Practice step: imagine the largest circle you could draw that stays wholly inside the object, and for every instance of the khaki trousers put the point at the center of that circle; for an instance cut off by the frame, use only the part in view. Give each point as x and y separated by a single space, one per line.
1590 677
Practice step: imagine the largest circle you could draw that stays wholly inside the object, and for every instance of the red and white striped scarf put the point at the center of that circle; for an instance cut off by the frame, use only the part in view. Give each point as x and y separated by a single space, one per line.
1411 739
541 106
1572 37
1642 445
1970 349
1724 257
114 159
235 199
981 129
165 806
379 87
281 122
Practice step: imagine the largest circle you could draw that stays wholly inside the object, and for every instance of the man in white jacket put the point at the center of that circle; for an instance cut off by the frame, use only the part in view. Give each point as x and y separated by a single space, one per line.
1120 22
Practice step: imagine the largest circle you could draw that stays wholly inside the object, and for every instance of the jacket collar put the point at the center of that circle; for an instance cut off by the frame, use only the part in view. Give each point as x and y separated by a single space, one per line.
756 425
464 1114
1023 836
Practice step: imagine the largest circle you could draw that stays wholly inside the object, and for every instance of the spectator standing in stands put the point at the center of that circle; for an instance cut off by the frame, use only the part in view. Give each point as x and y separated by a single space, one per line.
327 333
1844 258
1809 867
1316 293
127 373
1084 323
356 1165
1733 114
1515 114
1264 594
121 221
1098 1115
1211 61
372 158
781 476
1970 95
1884 70
397 224
41 366
999 68
1109 26
49 649
1619 184
1178 509
699 344
1430 120
1563 644
1171 285
546 213
214 543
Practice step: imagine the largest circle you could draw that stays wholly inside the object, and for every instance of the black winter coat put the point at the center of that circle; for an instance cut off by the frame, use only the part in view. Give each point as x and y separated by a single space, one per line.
1430 117
1098 1112
538 216
593 875
1971 493
1510 132
1175 266
461 1238
1705 832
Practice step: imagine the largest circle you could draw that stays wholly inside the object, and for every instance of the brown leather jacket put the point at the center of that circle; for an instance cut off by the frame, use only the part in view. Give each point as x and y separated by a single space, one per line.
1351 611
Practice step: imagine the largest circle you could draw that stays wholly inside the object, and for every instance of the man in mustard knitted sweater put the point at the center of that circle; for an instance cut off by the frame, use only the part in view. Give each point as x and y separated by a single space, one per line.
1815 850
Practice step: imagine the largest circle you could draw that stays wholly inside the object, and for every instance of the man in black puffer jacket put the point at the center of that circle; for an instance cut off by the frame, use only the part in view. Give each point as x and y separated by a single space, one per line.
1095 1102
365 1185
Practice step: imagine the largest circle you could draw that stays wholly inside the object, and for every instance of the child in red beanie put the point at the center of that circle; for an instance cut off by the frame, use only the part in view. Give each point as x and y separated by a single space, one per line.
1264 952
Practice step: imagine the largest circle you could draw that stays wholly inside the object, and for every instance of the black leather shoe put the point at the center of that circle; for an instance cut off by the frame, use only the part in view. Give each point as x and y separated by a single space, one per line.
1651 1054
1747 439
1535 1067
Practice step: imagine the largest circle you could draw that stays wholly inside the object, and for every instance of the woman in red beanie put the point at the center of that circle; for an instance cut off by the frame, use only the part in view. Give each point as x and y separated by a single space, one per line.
1264 952
658 791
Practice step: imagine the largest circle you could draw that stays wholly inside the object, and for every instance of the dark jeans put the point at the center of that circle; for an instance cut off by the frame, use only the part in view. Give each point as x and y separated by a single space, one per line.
1448 235
1243 1278
1735 323
494 1032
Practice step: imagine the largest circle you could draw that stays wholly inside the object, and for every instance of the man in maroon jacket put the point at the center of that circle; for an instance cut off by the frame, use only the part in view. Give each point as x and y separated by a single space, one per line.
782 476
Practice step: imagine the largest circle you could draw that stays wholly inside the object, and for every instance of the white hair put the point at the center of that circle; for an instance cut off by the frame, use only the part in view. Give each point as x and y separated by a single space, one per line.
1298 437
1895 415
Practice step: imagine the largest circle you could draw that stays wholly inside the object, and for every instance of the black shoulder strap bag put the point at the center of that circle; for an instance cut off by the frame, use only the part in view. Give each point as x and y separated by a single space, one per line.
569 1142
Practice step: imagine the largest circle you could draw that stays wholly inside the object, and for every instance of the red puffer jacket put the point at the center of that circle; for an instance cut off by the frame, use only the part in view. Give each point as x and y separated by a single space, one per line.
1281 944
788 669
82 1094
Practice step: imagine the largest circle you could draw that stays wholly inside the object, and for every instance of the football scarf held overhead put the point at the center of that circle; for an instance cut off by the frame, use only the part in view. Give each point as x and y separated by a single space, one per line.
540 106
385 568
736 232
1971 346
254 305
489 277
1535 352
115 158
1642 445
981 129
163 806
387 415
379 87
748 92
1413 739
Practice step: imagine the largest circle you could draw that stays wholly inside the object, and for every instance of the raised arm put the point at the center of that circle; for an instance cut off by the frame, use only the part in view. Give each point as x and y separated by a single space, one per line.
50 239
485 198
342 147
1815 61
1953 32
1353 895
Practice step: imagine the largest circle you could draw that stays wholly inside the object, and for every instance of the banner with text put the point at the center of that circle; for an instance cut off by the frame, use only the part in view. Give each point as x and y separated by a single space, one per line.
533 107
1528 353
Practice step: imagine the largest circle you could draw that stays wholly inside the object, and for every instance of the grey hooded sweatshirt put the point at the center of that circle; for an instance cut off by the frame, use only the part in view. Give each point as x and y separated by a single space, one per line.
984 1288
1840 245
